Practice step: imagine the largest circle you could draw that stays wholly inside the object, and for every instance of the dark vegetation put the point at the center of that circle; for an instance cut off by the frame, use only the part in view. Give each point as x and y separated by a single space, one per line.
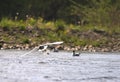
83 23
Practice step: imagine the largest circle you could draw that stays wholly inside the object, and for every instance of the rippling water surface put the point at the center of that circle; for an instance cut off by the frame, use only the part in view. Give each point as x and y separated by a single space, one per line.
59 67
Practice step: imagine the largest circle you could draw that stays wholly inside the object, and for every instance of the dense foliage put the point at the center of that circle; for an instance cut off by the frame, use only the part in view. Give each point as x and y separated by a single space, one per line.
96 12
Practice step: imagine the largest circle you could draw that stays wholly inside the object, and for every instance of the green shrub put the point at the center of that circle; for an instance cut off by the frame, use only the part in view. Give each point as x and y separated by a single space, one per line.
60 25
22 28
26 41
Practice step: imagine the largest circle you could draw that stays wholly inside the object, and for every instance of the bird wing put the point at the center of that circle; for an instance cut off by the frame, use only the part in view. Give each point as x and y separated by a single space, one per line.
34 49
54 43
45 47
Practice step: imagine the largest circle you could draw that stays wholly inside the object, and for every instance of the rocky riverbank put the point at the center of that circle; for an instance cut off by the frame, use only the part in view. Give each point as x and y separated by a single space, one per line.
113 46
101 41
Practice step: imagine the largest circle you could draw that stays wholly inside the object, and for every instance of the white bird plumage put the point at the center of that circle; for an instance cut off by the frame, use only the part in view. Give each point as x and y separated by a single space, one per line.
42 47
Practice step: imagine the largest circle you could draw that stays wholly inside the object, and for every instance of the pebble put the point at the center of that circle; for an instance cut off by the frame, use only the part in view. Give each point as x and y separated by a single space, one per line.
88 48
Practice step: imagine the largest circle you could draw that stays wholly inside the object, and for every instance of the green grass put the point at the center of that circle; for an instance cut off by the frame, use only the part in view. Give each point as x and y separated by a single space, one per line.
51 31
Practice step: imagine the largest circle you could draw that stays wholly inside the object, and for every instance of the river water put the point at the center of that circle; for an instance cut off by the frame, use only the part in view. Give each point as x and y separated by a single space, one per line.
59 67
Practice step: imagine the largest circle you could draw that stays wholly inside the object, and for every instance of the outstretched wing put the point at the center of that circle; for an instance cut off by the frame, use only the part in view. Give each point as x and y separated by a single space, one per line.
34 49
54 43
44 47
